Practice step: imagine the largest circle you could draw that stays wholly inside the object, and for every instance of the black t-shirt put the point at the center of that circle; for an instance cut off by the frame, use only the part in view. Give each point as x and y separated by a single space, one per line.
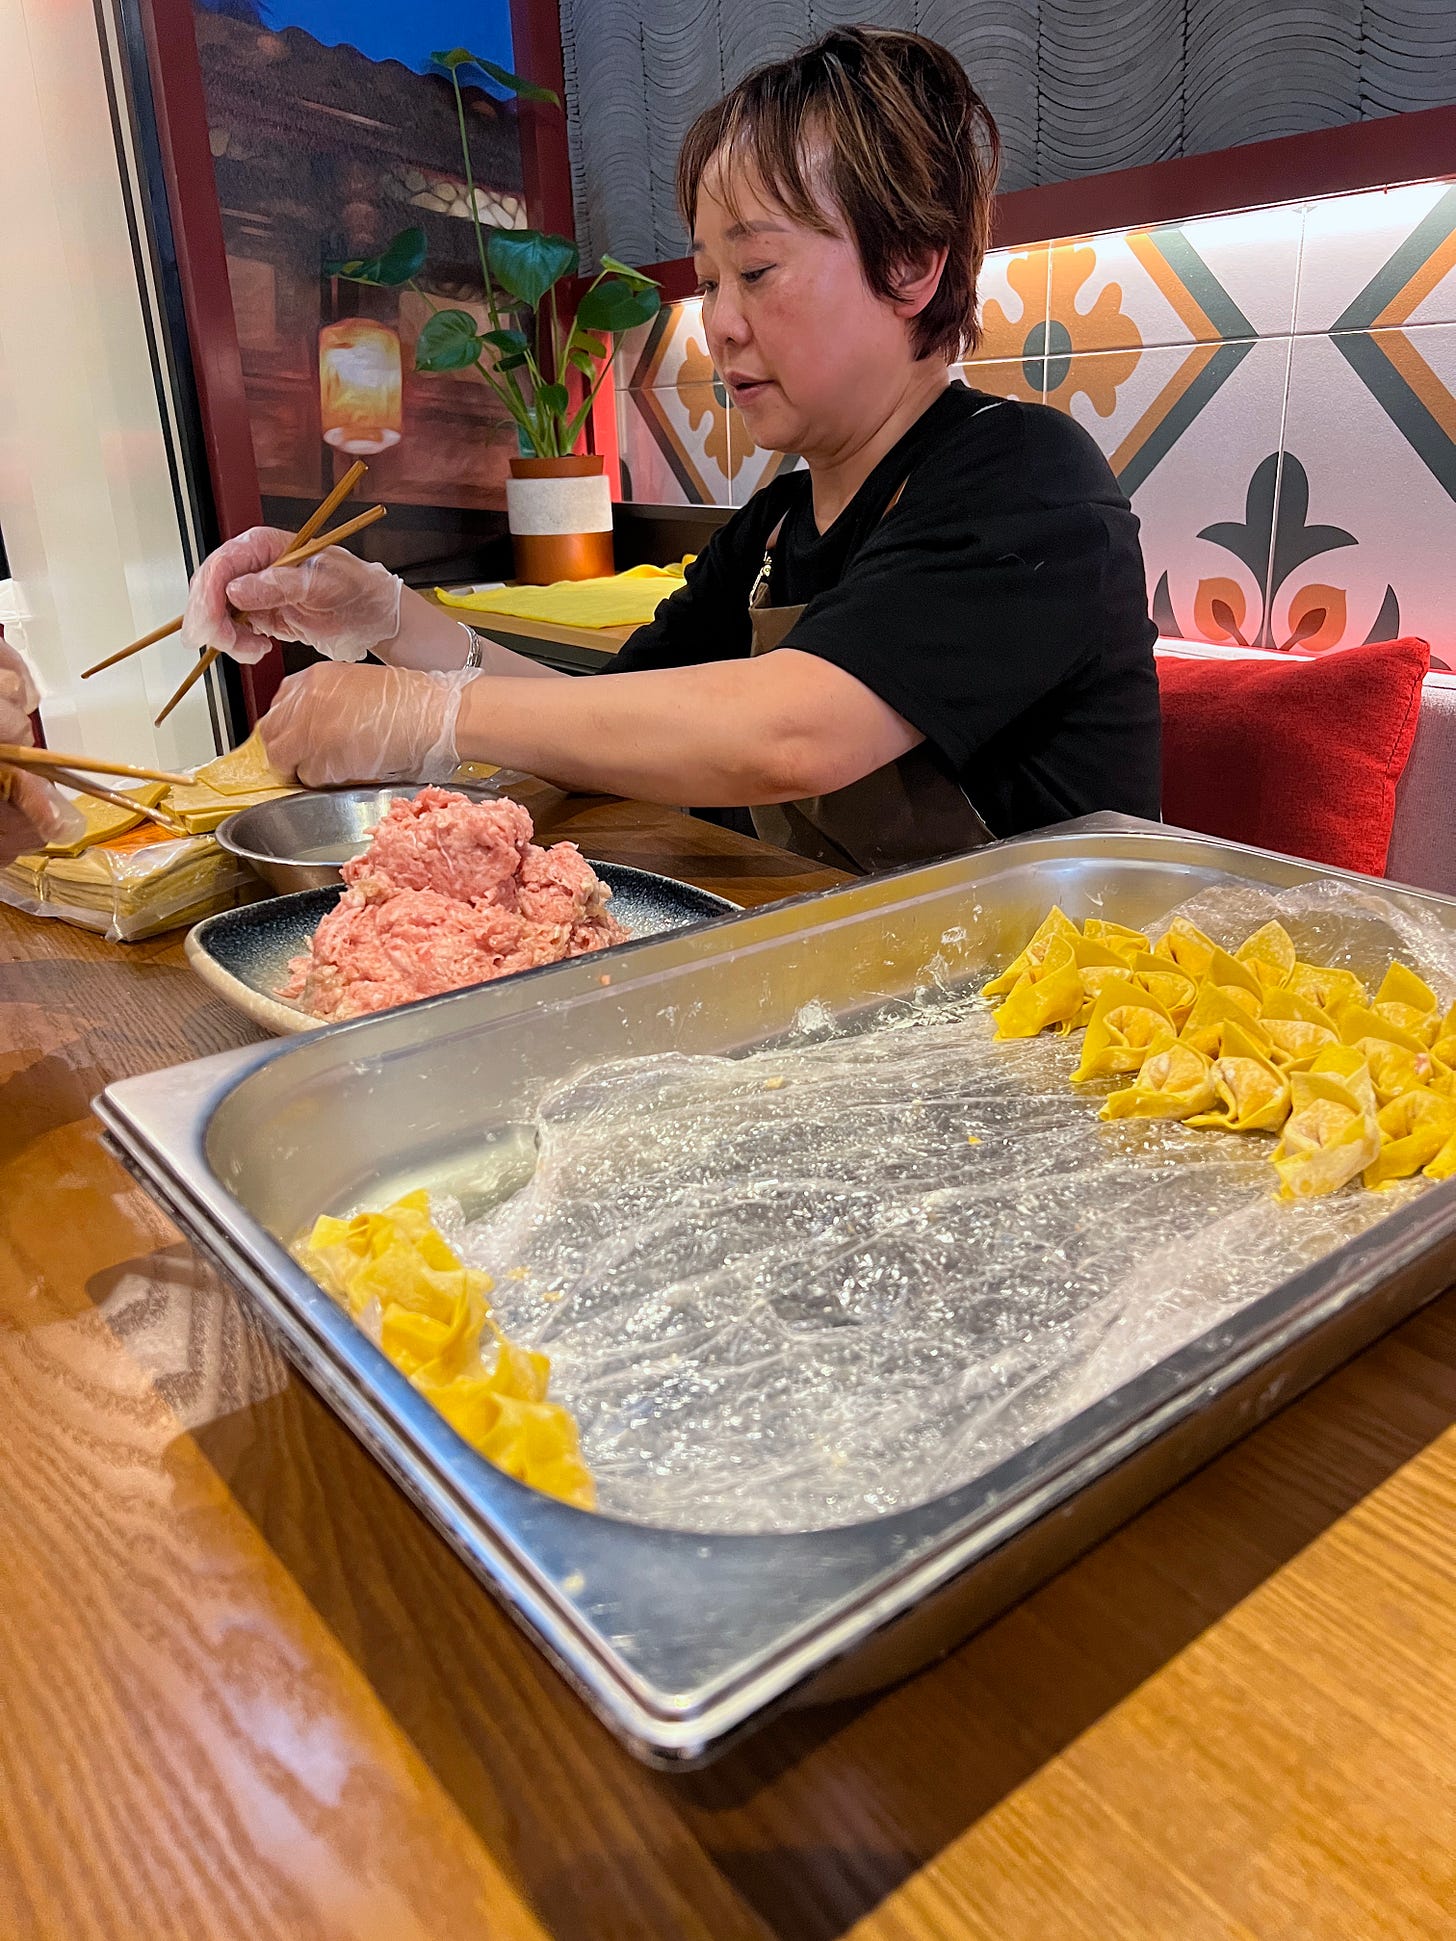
999 606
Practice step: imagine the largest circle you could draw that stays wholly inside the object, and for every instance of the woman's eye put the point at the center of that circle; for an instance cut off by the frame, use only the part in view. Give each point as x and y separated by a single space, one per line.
753 276
705 289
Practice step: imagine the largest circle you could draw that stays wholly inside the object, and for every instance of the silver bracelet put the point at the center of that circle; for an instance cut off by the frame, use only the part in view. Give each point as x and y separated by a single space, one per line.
476 656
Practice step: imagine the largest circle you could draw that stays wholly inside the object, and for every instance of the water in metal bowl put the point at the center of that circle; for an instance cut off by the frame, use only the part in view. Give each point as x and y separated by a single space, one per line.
301 842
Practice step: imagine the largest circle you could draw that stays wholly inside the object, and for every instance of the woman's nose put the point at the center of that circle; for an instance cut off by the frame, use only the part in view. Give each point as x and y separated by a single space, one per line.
723 325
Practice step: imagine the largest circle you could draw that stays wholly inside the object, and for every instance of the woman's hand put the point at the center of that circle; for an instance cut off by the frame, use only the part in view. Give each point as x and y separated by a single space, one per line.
331 725
32 813
240 601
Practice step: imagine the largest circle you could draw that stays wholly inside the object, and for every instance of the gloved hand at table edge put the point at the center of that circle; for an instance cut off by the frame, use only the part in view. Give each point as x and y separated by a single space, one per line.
333 725
32 813
240 601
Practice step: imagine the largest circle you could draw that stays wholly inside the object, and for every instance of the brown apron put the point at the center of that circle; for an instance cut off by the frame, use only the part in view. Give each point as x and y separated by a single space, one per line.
906 812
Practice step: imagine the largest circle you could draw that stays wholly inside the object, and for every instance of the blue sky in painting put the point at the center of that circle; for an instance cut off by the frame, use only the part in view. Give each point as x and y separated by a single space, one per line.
387 31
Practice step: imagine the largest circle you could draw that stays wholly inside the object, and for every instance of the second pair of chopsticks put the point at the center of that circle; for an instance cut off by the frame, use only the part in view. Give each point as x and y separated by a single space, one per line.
65 769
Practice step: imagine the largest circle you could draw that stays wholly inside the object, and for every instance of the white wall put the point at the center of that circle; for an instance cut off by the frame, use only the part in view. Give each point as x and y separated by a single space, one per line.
86 501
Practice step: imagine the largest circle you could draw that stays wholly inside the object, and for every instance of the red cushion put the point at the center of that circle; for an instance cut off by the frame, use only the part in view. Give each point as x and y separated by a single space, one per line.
1296 755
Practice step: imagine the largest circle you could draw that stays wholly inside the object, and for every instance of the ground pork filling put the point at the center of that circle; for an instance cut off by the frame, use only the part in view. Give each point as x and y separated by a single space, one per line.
449 892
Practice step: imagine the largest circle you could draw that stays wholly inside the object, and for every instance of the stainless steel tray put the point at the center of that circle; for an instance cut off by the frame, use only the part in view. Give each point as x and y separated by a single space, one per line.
679 1640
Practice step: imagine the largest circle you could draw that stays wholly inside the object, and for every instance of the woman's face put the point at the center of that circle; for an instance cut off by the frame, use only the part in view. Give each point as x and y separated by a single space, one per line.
811 356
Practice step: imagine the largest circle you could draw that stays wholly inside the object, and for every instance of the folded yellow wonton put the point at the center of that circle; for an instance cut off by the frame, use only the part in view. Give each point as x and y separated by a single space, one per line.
1048 991
1269 954
1408 1001
1187 946
1176 990
433 1316
1253 1095
1173 1084
1214 1010
1056 923
1413 1130
1328 988
1332 1132
1116 936
1126 1026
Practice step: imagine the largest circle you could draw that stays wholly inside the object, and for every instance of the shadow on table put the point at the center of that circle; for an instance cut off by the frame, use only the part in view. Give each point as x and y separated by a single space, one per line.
803 1829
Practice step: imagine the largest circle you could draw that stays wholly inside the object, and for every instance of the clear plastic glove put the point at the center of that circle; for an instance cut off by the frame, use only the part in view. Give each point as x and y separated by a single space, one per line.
240 602
331 725
32 813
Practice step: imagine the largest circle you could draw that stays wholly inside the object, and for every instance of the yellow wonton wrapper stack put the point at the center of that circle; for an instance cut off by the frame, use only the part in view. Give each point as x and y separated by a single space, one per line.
1250 1041
433 1315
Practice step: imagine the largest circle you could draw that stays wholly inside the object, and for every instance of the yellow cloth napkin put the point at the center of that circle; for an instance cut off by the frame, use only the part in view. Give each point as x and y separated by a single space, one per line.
627 599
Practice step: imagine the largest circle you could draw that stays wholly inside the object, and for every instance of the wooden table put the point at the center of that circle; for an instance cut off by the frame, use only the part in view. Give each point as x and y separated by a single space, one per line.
245 1691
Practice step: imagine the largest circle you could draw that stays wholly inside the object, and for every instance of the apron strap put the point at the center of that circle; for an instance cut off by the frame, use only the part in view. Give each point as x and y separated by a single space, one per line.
758 592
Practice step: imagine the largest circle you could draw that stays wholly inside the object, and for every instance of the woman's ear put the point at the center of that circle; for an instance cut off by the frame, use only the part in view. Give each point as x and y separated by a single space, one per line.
917 282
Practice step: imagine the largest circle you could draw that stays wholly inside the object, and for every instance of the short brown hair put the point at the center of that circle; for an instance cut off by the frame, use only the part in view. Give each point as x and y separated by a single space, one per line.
909 158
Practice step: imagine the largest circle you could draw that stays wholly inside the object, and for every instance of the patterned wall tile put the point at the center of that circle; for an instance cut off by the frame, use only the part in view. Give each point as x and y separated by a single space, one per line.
1025 378
1365 537
1012 295
672 349
1186 430
1224 278
1380 261
630 346
674 445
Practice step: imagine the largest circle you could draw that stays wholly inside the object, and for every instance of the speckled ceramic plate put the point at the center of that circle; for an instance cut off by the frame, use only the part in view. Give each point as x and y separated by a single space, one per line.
244 954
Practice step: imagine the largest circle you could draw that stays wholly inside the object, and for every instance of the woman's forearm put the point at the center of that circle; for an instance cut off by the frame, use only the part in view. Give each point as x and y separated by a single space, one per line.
724 734
434 640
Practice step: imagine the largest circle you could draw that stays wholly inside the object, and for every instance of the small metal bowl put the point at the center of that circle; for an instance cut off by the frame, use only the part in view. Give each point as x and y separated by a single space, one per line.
301 842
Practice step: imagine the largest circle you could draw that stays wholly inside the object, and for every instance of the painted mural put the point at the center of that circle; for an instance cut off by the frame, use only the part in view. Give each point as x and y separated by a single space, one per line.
331 132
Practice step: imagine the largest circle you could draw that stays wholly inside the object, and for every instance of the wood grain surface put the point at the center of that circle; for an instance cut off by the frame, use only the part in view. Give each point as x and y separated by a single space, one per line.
246 1692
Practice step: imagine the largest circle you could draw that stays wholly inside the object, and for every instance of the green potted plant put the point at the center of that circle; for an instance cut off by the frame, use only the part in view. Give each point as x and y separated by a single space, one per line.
544 357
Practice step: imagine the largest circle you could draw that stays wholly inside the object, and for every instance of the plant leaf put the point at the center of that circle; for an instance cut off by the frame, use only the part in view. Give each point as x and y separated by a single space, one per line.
614 306
526 262
515 84
459 57
581 359
589 341
448 342
554 397
511 342
628 274
402 258
513 362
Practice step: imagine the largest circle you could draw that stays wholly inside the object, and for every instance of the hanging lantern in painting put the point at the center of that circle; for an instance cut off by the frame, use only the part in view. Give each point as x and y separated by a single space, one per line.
359 385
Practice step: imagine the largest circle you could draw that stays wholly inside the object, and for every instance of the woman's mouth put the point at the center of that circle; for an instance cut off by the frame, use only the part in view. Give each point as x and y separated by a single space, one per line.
744 389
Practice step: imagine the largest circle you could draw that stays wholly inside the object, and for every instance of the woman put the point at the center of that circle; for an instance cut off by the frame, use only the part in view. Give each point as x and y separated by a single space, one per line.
936 633
31 812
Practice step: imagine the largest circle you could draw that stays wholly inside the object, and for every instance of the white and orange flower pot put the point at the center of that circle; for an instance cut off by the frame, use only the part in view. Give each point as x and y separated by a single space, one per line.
560 514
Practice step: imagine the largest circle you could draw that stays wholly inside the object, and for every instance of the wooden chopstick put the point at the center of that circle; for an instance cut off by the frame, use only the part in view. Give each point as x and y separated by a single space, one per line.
316 521
311 525
22 755
85 786
294 557
147 640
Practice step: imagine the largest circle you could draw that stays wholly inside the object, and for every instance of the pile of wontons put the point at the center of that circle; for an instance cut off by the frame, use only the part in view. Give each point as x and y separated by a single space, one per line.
400 1280
1256 1041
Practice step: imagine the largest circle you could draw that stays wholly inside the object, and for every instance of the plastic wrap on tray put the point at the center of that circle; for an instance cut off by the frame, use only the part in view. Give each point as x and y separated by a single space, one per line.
833 1280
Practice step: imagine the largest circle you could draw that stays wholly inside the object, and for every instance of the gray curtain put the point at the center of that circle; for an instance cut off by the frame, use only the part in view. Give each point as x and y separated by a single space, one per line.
1078 86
